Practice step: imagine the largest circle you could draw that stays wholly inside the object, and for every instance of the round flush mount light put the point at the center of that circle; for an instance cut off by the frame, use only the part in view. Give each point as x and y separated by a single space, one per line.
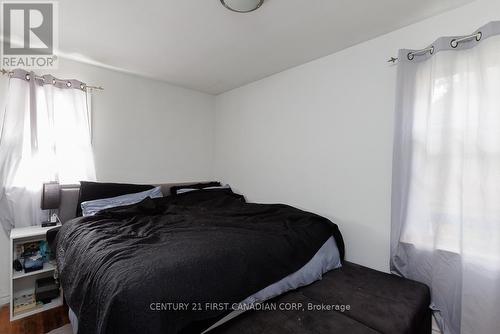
242 6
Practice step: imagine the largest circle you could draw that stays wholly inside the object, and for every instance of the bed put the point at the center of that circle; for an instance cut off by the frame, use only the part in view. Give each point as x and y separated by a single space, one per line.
197 261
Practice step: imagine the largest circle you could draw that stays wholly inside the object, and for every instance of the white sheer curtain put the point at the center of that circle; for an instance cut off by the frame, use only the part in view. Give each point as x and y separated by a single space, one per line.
45 136
446 182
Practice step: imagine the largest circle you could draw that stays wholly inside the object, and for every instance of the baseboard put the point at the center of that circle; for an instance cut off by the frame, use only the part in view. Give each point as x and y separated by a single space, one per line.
4 300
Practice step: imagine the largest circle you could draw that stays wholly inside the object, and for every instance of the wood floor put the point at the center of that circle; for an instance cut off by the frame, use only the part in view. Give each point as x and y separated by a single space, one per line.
40 323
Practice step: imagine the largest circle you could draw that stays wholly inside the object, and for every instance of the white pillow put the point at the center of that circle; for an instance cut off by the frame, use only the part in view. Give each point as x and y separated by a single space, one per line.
90 208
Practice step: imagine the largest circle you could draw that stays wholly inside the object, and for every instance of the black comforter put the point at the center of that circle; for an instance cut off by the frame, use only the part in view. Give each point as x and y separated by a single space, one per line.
195 248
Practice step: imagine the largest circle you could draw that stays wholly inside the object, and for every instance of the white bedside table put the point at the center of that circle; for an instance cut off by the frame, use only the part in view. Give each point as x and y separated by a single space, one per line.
23 283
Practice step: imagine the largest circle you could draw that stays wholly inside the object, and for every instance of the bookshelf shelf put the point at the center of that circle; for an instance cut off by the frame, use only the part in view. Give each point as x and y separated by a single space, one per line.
37 309
46 268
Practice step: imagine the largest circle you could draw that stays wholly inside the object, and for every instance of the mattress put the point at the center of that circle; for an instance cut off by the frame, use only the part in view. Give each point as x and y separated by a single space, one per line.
326 259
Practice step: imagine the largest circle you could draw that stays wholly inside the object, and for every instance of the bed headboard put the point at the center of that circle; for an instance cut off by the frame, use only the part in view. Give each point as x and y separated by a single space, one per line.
69 198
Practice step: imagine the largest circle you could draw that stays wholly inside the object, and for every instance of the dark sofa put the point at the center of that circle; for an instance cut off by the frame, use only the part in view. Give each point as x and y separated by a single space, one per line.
379 303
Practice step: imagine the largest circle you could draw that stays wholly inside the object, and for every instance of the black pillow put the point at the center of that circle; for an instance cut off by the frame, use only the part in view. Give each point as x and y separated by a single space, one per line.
174 189
90 191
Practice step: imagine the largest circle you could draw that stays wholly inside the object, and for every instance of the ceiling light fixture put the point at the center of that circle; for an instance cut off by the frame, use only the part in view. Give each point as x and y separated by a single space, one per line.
242 6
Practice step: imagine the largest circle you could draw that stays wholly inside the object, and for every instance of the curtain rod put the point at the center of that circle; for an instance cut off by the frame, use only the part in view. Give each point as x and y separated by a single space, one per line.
453 43
5 72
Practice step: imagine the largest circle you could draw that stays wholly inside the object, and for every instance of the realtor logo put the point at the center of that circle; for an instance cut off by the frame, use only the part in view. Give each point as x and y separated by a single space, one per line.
29 34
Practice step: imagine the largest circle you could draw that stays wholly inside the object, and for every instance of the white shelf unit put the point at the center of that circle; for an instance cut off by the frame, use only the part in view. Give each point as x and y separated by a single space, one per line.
24 283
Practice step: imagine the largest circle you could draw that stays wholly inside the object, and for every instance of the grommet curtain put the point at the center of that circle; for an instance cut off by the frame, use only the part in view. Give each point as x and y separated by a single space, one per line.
446 178
45 136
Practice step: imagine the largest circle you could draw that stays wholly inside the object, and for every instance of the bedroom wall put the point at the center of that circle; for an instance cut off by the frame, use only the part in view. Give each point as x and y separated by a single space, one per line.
143 131
146 130
319 136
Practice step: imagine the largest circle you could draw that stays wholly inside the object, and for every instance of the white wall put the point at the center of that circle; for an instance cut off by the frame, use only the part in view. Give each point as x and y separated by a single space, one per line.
143 131
146 130
319 136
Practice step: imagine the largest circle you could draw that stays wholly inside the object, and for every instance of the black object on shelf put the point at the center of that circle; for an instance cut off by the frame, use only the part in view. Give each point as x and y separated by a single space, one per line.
17 265
46 289
47 224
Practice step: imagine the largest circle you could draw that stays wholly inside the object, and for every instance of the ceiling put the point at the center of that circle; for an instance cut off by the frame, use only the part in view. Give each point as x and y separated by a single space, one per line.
199 44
